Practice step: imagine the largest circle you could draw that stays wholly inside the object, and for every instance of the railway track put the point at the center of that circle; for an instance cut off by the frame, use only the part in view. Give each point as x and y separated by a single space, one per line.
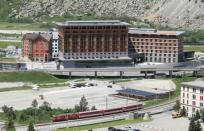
78 122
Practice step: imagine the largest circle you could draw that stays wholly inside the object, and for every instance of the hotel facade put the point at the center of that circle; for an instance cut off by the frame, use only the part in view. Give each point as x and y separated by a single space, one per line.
192 97
155 46
89 41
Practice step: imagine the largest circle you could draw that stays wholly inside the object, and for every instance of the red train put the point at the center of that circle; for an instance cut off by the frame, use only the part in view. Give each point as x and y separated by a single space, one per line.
81 115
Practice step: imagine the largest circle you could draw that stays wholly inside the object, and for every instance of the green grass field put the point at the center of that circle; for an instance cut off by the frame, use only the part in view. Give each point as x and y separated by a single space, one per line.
20 26
102 125
197 48
30 76
4 59
15 89
4 44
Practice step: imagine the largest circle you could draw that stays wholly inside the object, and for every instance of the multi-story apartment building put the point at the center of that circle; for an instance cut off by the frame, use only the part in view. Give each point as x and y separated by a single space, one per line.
192 97
93 41
155 45
37 46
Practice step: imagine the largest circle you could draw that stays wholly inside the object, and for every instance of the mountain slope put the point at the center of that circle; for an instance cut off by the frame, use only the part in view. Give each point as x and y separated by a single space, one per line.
179 13
174 13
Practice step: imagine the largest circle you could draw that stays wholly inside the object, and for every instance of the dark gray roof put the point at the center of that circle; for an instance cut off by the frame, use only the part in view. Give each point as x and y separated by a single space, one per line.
33 36
136 92
150 31
93 23
197 84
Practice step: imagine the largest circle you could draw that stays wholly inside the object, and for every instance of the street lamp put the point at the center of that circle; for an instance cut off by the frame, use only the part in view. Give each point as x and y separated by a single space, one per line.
67 120
106 102
127 100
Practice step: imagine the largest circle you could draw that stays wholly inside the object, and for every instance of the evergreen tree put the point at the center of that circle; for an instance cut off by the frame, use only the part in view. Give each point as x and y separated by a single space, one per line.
11 114
93 108
197 116
177 106
34 103
31 126
198 126
183 112
83 104
5 109
192 125
10 125
202 115
77 108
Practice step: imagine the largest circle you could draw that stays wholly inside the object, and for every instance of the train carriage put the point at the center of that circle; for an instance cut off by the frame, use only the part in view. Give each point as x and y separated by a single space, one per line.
82 115
91 114
113 111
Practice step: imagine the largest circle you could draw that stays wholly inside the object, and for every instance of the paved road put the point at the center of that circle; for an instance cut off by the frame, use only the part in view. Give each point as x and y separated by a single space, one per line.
126 69
123 71
160 122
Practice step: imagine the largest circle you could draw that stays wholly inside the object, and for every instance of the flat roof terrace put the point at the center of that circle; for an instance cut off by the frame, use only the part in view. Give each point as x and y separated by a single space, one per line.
93 23
136 92
196 84
150 31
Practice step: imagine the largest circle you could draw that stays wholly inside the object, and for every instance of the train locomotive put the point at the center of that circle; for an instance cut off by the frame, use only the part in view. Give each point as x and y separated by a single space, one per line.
82 115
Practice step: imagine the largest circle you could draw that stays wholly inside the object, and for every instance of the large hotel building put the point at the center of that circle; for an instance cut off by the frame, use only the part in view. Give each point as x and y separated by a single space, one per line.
151 45
113 43
98 41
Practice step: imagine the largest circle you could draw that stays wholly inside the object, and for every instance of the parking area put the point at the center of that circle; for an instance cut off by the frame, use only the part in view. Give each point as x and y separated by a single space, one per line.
67 97
97 92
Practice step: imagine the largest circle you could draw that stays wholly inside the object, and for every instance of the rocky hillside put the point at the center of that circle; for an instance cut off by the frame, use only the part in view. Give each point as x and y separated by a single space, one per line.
173 13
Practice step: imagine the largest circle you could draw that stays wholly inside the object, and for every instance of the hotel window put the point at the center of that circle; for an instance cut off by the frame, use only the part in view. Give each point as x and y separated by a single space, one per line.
183 94
193 103
194 90
201 104
75 41
201 91
194 96
107 41
187 95
83 41
99 41
115 40
91 41
201 98
123 41
183 88
193 109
